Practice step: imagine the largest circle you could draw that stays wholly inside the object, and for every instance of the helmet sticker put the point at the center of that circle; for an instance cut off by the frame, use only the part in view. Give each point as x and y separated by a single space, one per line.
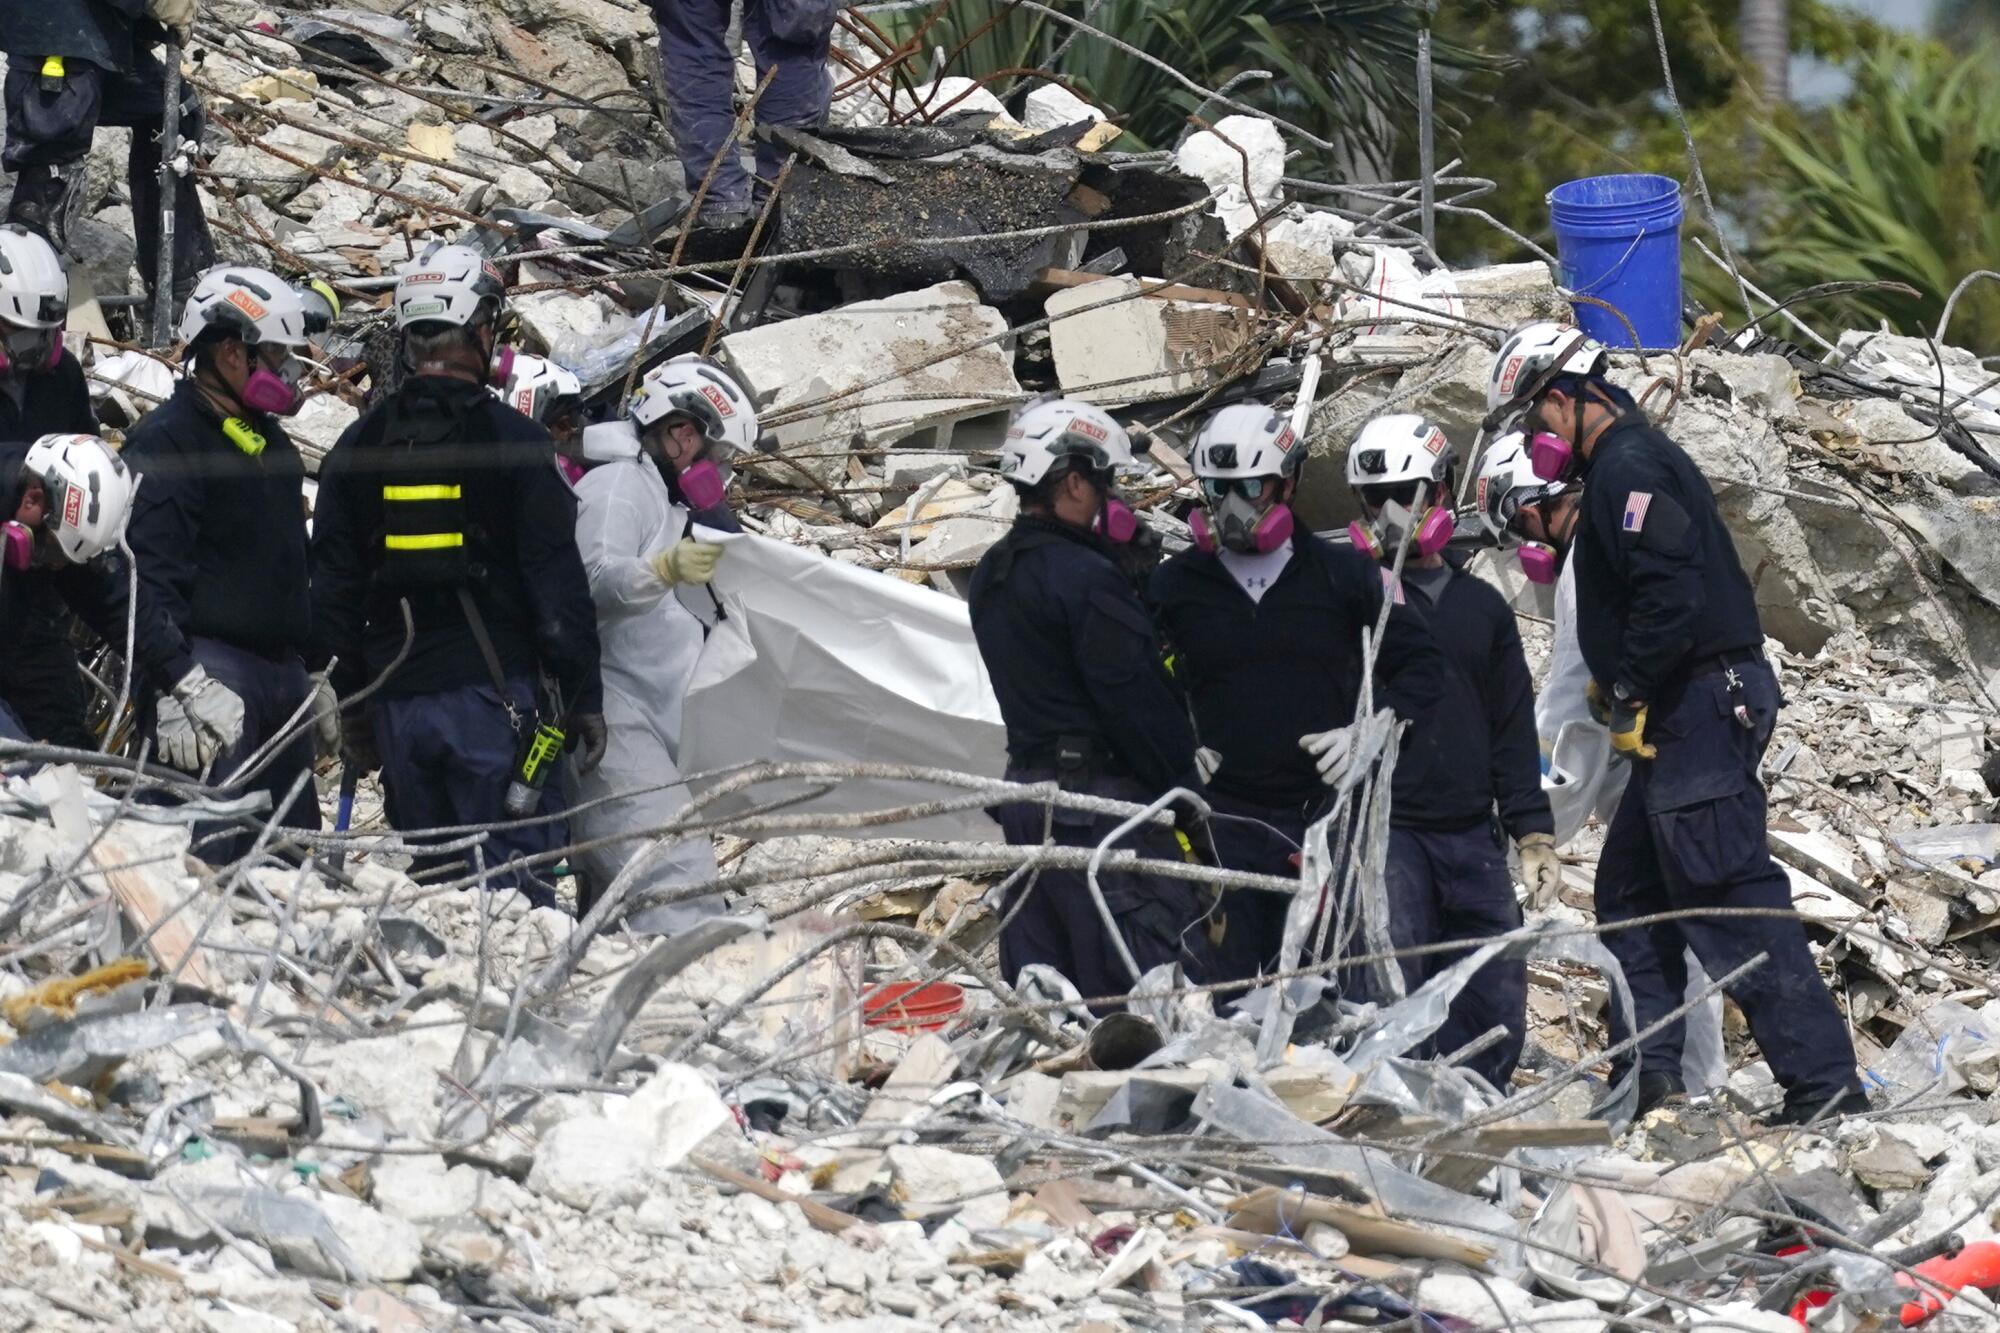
417 308
429 275
1510 374
245 302
1479 494
1089 429
1286 439
1436 442
718 399
72 506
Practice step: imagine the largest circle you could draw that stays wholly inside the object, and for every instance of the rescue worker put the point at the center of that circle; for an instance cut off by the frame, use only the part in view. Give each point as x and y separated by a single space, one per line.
634 527
791 37
73 65
440 503
1668 626
552 398
42 392
219 534
1086 701
1264 621
69 497
1469 776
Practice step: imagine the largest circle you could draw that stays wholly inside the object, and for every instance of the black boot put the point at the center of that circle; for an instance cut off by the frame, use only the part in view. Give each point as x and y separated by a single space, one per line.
1822 1112
47 202
1656 1090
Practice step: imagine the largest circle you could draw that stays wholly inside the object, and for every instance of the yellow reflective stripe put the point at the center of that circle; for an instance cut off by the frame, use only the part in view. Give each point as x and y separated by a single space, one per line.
420 493
52 67
423 541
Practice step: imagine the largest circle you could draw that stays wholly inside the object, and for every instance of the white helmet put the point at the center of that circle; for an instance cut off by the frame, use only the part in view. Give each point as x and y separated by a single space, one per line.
1246 440
1054 428
1506 482
448 284
254 304
1533 355
536 384
1394 449
694 387
34 290
89 492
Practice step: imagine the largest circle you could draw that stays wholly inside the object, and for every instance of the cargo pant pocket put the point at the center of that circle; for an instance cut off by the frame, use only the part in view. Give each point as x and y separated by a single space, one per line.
1717 841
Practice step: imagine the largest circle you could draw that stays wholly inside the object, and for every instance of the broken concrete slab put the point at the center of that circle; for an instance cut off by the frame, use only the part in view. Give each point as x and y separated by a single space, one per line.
939 353
1114 345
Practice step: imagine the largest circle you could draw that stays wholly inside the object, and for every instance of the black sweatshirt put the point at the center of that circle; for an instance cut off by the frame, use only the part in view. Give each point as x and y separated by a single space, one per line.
1475 747
1071 652
520 519
1660 587
219 534
54 402
1261 674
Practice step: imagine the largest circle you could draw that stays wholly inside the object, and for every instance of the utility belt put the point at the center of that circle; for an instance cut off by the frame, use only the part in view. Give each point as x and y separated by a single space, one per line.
1077 761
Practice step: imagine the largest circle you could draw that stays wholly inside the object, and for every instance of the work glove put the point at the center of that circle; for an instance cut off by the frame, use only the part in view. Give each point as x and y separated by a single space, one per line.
1599 702
1332 751
1628 729
1540 869
687 561
1206 761
199 719
176 14
591 735
326 717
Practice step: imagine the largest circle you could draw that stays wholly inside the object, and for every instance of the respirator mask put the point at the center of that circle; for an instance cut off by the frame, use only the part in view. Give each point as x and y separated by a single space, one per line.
1239 522
1398 522
29 351
274 390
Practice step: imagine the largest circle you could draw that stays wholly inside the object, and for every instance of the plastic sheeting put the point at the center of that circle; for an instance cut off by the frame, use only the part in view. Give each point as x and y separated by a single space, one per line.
816 661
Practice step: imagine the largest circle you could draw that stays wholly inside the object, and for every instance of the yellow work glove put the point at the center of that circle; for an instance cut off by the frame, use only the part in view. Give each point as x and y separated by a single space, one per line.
1541 872
1599 701
687 561
1628 729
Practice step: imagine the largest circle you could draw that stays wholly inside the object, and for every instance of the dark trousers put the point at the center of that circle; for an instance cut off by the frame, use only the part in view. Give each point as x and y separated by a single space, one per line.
271 692
1058 924
701 81
1452 885
446 761
1690 833
1260 840
40 680
52 127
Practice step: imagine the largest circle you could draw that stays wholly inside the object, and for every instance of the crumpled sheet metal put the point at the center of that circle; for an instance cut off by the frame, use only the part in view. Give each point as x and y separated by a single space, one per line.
291 1228
60 1051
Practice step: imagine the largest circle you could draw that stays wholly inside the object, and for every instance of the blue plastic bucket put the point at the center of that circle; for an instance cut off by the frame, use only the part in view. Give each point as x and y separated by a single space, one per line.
1618 238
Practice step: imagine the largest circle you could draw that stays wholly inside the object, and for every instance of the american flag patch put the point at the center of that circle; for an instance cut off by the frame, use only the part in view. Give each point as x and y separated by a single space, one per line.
1636 505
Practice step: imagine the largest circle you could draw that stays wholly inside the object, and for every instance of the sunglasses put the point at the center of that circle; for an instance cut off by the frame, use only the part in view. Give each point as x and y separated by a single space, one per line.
1397 492
1218 489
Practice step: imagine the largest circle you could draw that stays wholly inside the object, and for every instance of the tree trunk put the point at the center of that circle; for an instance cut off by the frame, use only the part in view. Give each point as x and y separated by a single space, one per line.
1765 35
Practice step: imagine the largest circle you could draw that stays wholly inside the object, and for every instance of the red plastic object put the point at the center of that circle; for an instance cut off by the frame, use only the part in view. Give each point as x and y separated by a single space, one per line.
908 1007
1977 1265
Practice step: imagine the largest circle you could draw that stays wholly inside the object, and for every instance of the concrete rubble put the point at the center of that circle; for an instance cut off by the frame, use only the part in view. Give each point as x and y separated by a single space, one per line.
317 1096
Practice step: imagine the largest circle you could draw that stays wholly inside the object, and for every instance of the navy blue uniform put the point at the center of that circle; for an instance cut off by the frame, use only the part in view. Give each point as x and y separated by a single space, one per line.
1259 674
1075 663
38 672
1472 755
444 731
220 538
1664 610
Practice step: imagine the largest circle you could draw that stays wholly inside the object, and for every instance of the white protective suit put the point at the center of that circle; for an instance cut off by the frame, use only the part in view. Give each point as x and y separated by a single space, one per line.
650 643
1583 776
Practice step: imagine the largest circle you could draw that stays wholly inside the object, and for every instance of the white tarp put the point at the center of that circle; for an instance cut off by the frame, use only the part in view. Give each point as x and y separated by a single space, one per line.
814 660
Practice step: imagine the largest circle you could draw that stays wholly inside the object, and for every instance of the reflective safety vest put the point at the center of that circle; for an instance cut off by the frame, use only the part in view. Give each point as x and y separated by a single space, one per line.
423 532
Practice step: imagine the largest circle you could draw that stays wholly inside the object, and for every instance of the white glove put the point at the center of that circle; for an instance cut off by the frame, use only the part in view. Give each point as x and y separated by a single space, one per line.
175 14
1540 870
200 719
326 717
1331 751
1206 761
